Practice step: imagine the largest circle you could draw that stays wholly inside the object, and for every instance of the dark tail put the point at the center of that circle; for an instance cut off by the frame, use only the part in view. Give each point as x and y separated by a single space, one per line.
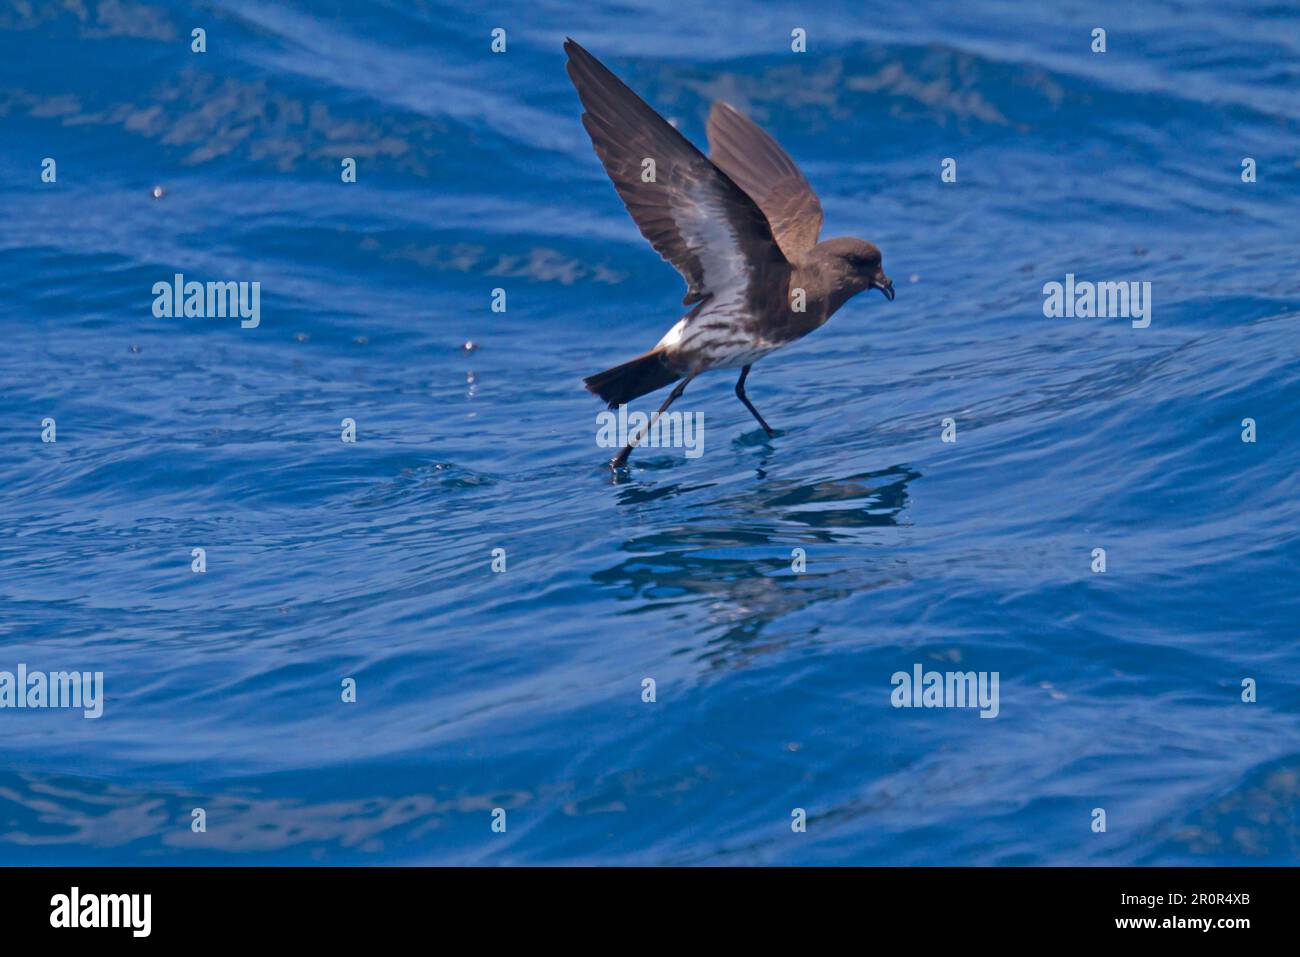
632 379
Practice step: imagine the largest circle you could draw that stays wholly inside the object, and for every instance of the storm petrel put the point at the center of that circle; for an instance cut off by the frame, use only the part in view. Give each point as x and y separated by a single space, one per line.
741 227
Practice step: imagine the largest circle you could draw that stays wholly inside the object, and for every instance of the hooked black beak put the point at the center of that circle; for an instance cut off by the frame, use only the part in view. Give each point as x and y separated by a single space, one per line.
884 284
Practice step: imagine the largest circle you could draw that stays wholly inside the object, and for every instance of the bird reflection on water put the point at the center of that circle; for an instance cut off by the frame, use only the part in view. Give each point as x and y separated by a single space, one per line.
742 576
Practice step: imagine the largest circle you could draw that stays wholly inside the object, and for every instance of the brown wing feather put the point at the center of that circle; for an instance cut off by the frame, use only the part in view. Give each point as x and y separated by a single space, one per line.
695 217
758 165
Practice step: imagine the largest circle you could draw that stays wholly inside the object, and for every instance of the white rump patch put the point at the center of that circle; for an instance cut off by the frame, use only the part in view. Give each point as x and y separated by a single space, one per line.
673 335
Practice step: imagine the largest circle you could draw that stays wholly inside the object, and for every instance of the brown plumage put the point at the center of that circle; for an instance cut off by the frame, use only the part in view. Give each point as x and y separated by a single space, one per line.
756 164
740 225
634 378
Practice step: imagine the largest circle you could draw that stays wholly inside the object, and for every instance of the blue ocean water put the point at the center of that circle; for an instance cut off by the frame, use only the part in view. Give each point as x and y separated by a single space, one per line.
522 690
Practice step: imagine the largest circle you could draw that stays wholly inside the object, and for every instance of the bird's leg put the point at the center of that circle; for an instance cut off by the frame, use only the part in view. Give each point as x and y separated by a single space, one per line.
740 394
621 459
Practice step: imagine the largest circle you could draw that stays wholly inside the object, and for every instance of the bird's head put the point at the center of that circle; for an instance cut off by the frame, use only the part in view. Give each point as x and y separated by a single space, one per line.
857 265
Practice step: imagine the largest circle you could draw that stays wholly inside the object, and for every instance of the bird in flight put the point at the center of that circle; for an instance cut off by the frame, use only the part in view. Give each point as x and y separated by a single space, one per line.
740 225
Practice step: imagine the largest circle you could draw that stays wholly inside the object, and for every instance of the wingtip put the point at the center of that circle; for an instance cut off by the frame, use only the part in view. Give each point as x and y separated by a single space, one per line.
578 59
575 58
584 68
721 112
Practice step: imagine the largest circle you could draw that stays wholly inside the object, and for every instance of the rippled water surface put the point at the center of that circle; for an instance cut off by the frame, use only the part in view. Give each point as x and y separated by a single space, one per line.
522 690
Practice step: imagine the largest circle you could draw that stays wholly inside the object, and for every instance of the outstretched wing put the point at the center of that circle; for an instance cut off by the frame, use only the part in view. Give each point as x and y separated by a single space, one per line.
696 218
758 165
